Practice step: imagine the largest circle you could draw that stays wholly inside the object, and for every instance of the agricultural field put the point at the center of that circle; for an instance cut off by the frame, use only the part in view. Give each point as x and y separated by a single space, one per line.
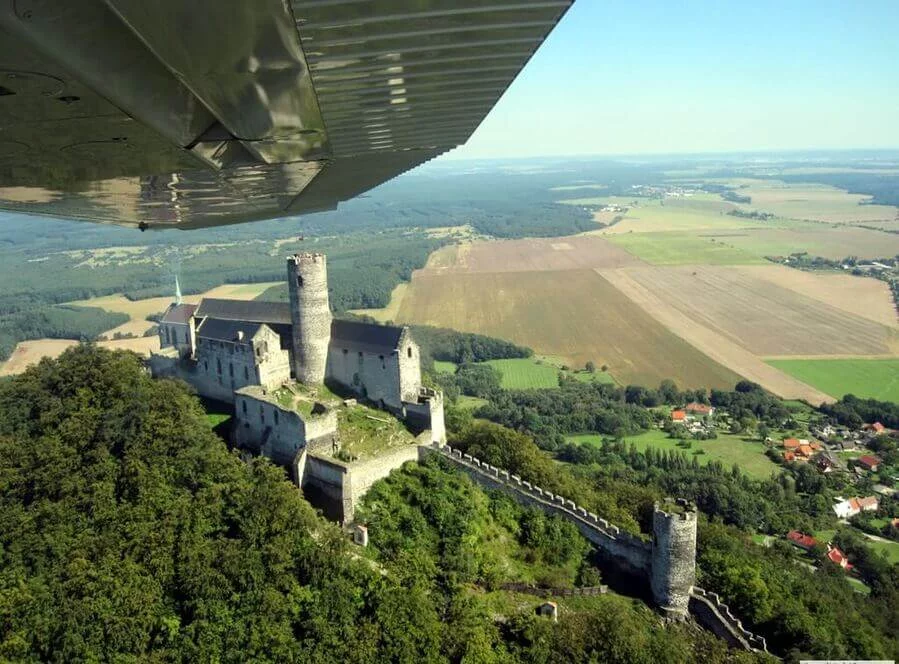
827 240
729 449
679 248
873 379
576 315
762 316
31 352
815 202
390 312
530 373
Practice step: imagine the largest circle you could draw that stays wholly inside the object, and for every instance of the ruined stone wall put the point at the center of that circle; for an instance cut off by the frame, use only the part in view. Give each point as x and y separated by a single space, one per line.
279 433
223 366
673 558
409 367
310 312
370 375
716 617
628 551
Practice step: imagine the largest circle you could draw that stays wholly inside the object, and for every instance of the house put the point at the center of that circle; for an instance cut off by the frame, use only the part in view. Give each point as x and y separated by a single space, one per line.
848 508
696 409
791 443
678 416
877 428
789 456
837 557
828 462
868 462
804 451
801 540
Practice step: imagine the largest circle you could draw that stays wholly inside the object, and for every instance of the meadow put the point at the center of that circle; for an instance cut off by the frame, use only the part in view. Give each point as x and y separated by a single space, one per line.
530 373
679 248
868 378
729 449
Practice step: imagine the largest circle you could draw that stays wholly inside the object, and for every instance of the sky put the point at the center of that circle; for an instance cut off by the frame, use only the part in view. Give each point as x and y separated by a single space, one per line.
689 76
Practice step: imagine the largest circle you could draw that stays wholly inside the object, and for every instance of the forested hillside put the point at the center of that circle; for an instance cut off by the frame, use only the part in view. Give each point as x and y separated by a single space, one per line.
132 534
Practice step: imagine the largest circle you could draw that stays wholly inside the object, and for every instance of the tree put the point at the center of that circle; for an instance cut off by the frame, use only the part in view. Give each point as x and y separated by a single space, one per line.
590 366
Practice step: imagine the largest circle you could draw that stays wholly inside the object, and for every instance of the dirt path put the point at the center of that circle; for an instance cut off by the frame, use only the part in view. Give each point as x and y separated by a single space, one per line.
713 344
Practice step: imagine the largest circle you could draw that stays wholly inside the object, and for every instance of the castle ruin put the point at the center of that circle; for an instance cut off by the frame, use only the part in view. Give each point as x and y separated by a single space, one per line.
273 360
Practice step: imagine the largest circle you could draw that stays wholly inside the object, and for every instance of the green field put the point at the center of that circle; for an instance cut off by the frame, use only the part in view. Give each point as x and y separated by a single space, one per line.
530 373
729 449
683 249
875 379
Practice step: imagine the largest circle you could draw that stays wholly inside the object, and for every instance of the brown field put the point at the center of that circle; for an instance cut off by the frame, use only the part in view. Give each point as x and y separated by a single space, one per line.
392 310
27 353
714 344
816 202
862 296
568 253
761 316
573 314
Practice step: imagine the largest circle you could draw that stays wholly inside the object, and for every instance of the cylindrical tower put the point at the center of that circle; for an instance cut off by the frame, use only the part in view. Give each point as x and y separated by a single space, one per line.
673 557
310 313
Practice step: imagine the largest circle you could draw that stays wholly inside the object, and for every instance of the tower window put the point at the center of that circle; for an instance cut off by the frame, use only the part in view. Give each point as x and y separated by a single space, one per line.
409 351
345 351
300 280
246 374
244 405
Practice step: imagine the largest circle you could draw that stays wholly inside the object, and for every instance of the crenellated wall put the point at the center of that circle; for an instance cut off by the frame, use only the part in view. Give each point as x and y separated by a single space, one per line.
716 616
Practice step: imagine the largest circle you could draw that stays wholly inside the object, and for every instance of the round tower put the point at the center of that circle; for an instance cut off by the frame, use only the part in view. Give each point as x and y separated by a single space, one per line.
310 313
673 556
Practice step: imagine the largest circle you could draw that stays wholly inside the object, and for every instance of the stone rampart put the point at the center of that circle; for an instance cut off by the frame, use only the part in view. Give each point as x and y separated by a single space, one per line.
629 551
714 615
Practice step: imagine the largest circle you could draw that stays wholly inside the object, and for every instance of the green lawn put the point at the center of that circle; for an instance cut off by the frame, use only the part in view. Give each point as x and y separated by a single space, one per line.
531 372
683 249
440 366
729 449
470 403
876 379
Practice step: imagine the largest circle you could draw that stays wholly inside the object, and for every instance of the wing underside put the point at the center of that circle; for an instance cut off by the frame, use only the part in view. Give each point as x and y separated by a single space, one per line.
190 114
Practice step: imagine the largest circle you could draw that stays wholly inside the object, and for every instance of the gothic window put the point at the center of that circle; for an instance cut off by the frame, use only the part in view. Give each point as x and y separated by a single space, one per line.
409 352
206 366
218 363
244 404
299 281
360 354
276 418
165 331
231 369
246 374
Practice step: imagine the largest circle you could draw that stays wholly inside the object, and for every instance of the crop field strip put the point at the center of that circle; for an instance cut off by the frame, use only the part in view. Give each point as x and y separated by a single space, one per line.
575 314
866 378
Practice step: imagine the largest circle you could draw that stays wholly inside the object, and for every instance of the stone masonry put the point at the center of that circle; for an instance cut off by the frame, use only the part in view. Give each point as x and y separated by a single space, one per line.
673 557
310 312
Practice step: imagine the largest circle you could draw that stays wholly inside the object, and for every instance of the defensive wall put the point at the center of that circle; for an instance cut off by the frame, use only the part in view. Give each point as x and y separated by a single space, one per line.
667 564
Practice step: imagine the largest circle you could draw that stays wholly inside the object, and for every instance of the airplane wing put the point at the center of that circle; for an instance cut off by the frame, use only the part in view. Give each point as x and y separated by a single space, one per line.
186 114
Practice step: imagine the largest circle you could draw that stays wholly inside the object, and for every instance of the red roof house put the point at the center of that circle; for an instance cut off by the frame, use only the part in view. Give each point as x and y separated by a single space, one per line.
789 456
678 415
868 462
801 540
837 557
791 443
877 427
696 408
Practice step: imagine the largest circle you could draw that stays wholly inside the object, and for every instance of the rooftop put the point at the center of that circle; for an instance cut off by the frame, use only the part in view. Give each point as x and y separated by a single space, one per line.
178 313
227 330
253 311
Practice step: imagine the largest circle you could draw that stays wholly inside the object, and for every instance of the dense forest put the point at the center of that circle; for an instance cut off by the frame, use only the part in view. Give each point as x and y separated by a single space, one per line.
55 322
132 533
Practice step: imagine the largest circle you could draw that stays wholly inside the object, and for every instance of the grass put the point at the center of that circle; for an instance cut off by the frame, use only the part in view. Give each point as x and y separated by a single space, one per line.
470 403
683 249
729 449
442 366
525 374
869 378
365 431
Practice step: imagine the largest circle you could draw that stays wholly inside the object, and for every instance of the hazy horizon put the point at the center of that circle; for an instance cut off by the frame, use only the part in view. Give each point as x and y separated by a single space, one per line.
660 79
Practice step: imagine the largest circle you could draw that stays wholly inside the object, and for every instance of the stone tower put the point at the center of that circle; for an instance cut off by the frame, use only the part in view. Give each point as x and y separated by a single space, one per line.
673 556
310 313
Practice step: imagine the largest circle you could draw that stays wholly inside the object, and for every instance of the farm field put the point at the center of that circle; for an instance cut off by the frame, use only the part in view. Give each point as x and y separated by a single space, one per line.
531 255
576 315
873 379
31 352
388 313
679 248
827 240
529 373
815 202
729 449
760 315
650 216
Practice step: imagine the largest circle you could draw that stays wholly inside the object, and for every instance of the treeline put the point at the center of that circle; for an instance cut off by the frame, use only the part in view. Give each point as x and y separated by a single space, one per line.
853 412
59 322
750 400
752 214
439 343
727 193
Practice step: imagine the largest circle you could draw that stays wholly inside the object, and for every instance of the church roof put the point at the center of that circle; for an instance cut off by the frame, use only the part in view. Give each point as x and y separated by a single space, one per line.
227 330
376 337
178 313
254 311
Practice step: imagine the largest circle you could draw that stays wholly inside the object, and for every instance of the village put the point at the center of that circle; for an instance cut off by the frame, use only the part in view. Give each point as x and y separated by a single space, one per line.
859 485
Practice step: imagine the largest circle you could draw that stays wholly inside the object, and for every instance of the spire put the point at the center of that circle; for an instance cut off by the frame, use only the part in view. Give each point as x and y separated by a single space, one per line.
177 291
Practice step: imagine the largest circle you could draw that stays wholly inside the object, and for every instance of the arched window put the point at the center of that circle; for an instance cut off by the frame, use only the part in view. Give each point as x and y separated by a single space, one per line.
218 364
300 280
409 351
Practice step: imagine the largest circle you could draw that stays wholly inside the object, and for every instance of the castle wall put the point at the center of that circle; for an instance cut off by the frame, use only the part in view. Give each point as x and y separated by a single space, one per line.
223 366
310 311
426 412
371 375
715 616
176 335
279 433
